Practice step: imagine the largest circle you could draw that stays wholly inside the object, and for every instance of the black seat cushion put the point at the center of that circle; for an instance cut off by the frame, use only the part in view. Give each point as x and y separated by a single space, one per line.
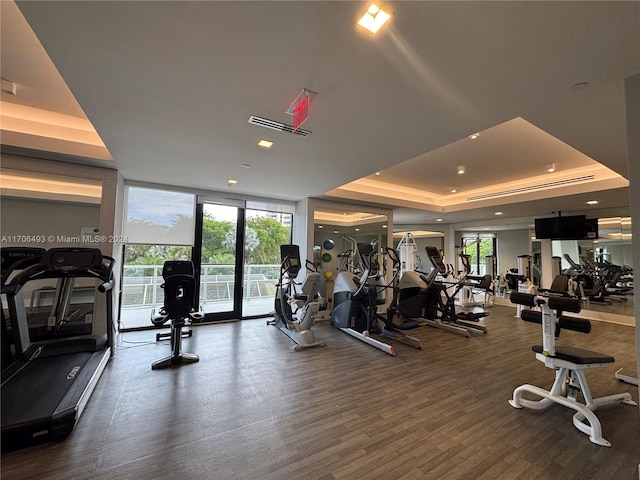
578 356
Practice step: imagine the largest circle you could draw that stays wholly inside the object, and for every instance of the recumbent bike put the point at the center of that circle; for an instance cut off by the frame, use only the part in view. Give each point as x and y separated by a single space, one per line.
179 293
295 313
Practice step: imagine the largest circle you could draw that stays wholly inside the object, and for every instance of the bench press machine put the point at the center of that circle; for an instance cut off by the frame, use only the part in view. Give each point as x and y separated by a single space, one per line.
569 364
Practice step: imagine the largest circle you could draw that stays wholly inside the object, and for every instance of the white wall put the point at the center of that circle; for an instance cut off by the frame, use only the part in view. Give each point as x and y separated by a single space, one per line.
60 221
510 245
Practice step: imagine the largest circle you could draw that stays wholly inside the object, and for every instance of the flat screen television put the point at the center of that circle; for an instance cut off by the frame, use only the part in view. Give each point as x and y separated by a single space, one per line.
562 228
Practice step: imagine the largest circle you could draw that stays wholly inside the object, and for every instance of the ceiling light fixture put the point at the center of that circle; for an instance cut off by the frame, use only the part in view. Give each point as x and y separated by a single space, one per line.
473 136
461 169
374 18
377 173
498 213
453 190
265 143
384 226
592 202
551 167
231 181
320 226
438 219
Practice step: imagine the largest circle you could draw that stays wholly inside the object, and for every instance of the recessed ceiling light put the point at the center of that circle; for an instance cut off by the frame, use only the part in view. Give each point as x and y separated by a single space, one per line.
453 190
438 219
374 18
265 143
377 173
335 231
592 202
320 226
357 229
551 168
473 136
461 169
498 213
231 181
384 226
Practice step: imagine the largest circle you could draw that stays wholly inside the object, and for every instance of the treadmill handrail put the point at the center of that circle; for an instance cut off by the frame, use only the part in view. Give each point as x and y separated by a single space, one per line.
102 272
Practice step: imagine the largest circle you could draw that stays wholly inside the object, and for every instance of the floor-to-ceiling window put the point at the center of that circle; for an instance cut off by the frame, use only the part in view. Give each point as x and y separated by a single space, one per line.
478 248
265 231
158 226
234 245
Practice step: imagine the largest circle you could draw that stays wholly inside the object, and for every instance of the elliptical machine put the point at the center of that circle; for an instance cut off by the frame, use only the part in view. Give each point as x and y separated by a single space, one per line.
441 307
406 306
355 307
295 313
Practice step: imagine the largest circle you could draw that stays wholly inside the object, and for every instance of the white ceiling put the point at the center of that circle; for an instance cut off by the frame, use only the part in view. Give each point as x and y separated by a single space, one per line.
169 87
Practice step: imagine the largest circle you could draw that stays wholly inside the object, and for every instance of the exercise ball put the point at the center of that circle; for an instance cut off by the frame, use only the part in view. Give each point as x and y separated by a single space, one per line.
328 275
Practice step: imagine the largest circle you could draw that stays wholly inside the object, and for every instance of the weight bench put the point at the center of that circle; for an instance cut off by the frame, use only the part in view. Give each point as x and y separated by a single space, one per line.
568 362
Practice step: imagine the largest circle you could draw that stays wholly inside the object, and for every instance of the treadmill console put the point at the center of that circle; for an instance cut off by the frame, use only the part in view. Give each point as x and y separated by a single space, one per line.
69 260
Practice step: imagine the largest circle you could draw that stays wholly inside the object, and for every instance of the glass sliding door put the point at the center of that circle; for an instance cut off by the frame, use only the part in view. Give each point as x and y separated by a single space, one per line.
265 231
217 259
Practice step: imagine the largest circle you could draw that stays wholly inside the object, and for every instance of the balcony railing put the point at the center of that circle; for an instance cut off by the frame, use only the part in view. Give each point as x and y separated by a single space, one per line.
141 286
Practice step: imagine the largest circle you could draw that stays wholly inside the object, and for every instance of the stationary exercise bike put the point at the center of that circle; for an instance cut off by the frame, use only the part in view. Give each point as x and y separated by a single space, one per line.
179 291
295 312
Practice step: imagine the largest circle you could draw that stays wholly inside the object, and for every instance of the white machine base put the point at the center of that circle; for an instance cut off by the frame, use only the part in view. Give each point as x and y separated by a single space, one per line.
302 338
448 327
569 379
627 375
364 337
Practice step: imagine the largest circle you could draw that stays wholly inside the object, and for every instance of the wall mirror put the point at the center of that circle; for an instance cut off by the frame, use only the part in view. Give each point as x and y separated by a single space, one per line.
48 210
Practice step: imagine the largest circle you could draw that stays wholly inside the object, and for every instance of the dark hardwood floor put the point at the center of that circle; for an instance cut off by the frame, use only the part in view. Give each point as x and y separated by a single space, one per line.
252 408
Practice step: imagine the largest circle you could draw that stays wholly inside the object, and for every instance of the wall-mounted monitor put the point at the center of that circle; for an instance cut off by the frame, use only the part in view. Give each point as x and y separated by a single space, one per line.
562 228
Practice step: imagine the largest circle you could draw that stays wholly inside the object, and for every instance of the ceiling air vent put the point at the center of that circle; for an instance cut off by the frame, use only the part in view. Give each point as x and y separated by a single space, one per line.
280 127
559 183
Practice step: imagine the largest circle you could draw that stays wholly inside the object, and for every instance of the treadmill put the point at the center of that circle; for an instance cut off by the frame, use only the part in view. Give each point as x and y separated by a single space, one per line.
46 388
13 259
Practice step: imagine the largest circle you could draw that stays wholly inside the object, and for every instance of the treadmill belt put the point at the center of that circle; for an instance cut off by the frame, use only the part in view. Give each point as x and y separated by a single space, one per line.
37 391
